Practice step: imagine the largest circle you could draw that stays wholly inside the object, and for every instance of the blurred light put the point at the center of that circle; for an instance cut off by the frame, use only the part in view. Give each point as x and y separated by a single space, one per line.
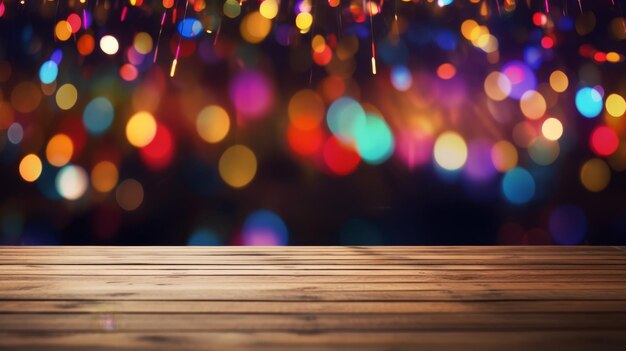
269 8
479 164
254 27
129 194
71 182
142 43
374 140
446 39
109 45
340 158
128 72
547 42
264 228
75 22
203 237
615 105
318 43
589 102
533 57
48 72
59 150
559 81
30 168
446 71
306 109
252 94
305 142
543 151
57 56
568 225
614 57
213 124
66 96
304 20
497 86
141 129
324 57
595 175
237 166
63 30
190 28
521 77
467 28
159 152
344 117
86 44
533 104
518 186
231 8
98 115
104 176
450 151
552 129
604 141
15 133
443 3
401 78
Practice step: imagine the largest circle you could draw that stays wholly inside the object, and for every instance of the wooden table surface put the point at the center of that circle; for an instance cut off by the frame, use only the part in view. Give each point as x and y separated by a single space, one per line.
313 298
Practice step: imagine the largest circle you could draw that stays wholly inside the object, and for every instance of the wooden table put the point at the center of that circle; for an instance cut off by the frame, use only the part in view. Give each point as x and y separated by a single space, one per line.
313 298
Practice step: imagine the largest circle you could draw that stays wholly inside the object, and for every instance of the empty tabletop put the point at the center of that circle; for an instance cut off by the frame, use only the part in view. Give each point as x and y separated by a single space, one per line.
313 298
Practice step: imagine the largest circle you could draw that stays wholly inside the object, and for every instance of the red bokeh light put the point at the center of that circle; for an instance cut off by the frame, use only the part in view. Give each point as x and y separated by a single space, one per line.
158 154
341 159
604 141
305 142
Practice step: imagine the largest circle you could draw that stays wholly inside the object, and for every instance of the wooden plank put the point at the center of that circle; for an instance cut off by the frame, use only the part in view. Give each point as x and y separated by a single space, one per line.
304 283
179 322
318 307
304 293
303 269
100 283
470 341
295 260
322 276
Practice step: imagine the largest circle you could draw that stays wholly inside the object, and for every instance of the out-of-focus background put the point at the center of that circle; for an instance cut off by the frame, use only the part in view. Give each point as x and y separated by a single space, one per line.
312 122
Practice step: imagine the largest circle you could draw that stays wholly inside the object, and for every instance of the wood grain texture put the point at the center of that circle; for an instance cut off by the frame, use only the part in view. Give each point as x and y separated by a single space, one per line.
313 298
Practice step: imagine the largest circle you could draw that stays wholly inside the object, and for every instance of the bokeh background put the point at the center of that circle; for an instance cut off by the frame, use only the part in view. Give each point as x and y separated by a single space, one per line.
312 122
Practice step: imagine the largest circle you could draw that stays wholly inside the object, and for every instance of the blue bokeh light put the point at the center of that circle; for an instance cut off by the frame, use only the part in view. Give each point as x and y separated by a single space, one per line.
98 115
401 78
518 186
589 102
190 28
345 117
48 72
264 228
374 140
